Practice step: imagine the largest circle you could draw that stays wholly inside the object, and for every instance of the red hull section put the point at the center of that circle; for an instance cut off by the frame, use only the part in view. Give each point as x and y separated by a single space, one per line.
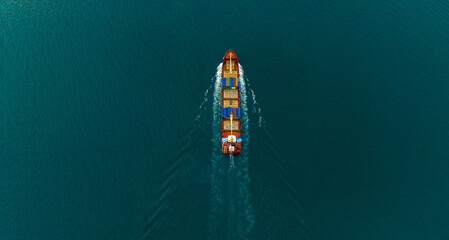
230 104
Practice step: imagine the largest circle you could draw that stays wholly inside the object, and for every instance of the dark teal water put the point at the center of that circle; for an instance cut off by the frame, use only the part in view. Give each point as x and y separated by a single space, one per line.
107 125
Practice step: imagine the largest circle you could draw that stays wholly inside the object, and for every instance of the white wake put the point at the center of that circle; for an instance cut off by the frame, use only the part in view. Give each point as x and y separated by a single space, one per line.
230 197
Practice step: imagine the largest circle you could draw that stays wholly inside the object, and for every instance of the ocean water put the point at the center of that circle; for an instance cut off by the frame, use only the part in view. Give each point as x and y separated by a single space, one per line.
108 120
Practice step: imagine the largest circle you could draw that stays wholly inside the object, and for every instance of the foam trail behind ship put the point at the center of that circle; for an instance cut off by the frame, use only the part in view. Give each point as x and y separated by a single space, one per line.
230 198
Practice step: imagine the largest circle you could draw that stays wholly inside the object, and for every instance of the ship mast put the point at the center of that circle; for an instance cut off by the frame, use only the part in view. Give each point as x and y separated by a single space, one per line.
230 64
231 124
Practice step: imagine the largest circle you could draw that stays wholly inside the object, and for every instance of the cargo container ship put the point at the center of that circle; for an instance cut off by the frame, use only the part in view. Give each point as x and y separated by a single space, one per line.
231 140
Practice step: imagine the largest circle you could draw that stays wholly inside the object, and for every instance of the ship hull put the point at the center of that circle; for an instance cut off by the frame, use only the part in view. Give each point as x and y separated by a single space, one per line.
230 105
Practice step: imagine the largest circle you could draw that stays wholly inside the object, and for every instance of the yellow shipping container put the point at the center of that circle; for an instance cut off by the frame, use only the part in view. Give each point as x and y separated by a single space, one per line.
227 125
230 93
227 103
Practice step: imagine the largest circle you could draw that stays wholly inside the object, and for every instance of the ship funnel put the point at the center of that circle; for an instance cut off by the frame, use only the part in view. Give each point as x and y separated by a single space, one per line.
232 139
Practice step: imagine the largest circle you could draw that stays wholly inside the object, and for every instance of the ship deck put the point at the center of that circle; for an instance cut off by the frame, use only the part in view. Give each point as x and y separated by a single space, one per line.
230 100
